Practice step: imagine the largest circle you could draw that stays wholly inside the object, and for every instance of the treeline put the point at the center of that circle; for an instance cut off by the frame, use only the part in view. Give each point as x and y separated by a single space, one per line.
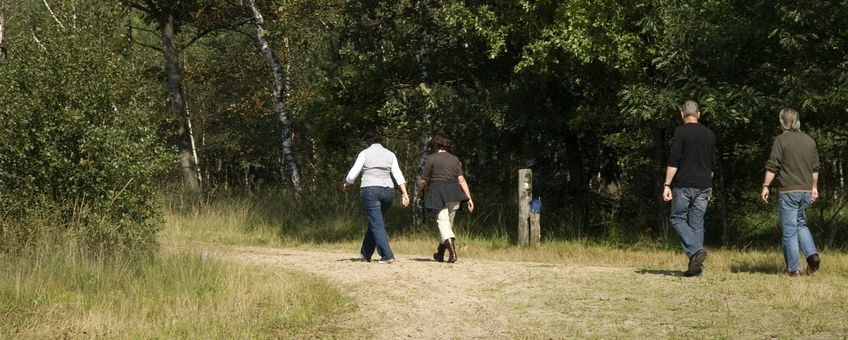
101 102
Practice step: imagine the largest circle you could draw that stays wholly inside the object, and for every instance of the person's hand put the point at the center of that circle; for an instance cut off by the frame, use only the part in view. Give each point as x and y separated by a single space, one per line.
345 186
815 194
405 200
470 205
666 193
764 195
417 193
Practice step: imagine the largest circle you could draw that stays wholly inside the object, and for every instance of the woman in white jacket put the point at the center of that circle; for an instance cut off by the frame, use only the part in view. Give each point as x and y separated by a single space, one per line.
377 165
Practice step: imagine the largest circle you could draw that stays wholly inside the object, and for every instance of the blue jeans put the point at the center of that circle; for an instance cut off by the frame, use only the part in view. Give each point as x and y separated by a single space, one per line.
688 206
376 200
793 221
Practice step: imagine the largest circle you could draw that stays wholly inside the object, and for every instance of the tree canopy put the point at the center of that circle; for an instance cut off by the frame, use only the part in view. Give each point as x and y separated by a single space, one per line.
586 93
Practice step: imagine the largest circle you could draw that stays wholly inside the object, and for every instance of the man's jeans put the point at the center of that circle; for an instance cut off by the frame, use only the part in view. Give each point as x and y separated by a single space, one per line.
688 206
793 221
376 200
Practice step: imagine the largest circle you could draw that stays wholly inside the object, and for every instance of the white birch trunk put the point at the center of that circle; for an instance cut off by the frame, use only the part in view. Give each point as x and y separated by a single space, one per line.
423 56
55 18
194 149
3 55
280 109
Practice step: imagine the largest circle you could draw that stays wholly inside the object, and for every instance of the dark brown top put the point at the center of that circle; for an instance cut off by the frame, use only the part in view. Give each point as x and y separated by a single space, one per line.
441 166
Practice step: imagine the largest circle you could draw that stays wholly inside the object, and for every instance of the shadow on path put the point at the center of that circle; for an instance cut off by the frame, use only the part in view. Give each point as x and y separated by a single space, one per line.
660 272
762 267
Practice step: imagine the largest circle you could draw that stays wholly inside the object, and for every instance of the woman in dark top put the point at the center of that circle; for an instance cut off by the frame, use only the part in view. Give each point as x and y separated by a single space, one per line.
447 190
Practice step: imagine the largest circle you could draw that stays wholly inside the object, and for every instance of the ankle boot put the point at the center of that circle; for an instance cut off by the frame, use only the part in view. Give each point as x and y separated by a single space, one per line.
451 250
439 255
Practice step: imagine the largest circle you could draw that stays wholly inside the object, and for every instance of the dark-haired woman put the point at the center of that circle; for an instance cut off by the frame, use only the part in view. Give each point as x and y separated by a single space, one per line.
446 191
377 165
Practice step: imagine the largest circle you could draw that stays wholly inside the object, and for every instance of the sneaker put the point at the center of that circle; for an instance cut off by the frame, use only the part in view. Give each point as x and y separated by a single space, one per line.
696 264
795 273
813 262
389 261
363 259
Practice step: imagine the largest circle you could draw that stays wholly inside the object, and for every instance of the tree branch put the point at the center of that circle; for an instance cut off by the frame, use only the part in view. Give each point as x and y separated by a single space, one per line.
144 30
35 37
248 35
147 10
203 33
145 45
53 14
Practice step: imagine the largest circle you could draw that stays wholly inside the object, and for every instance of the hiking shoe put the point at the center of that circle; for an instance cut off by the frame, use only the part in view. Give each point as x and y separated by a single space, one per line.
813 262
696 264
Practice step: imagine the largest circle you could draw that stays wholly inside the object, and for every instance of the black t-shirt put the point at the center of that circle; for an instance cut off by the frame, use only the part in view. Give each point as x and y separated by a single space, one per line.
693 153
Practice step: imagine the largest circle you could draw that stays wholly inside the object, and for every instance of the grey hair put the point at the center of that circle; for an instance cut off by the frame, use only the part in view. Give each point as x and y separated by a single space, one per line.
690 108
789 120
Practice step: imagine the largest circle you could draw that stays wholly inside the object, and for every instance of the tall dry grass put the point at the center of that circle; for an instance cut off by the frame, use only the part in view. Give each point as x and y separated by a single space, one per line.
335 221
64 293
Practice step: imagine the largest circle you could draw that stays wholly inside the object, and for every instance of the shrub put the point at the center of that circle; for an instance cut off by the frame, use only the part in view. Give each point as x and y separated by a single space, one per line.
77 154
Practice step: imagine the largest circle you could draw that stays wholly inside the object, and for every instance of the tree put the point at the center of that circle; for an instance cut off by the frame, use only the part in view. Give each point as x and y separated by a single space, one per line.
3 53
277 97
169 18
78 151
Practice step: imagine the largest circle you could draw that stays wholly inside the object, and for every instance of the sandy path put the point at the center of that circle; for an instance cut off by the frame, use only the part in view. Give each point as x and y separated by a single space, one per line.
418 298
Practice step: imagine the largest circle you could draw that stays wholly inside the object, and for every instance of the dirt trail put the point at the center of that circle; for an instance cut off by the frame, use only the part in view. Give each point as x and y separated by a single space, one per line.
416 297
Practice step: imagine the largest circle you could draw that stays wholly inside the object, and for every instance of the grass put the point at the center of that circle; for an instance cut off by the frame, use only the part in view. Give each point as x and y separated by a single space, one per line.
337 222
62 293
744 293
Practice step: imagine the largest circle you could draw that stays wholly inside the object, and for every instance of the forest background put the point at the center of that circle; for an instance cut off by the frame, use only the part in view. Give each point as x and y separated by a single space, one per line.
109 106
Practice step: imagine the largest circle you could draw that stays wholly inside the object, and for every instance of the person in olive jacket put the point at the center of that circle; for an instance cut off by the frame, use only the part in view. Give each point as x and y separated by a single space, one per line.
794 161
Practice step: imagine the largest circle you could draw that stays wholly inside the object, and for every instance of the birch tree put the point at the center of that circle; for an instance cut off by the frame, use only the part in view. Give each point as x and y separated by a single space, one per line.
169 17
277 97
3 53
422 60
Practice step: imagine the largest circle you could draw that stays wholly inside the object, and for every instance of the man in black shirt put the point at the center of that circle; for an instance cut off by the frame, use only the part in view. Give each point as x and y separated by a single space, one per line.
688 183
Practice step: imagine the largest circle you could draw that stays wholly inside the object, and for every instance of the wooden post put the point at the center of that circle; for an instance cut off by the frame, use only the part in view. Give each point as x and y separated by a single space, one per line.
535 230
525 194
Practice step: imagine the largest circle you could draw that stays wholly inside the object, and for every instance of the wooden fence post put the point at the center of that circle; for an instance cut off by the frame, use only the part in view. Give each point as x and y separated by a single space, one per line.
535 229
525 194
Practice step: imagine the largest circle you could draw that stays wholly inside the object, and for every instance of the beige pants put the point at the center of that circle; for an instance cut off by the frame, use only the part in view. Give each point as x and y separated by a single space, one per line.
445 220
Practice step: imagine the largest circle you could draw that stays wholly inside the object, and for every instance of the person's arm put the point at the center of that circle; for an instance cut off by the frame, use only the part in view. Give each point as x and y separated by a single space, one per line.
420 189
404 196
401 182
464 185
670 171
426 171
675 156
816 168
815 193
773 165
764 193
354 172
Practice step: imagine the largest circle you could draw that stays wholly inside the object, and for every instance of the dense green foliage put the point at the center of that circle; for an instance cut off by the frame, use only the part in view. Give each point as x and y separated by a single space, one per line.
583 92
78 147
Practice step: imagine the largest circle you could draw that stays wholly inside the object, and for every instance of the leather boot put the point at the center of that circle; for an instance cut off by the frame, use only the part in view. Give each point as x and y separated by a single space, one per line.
450 244
439 255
